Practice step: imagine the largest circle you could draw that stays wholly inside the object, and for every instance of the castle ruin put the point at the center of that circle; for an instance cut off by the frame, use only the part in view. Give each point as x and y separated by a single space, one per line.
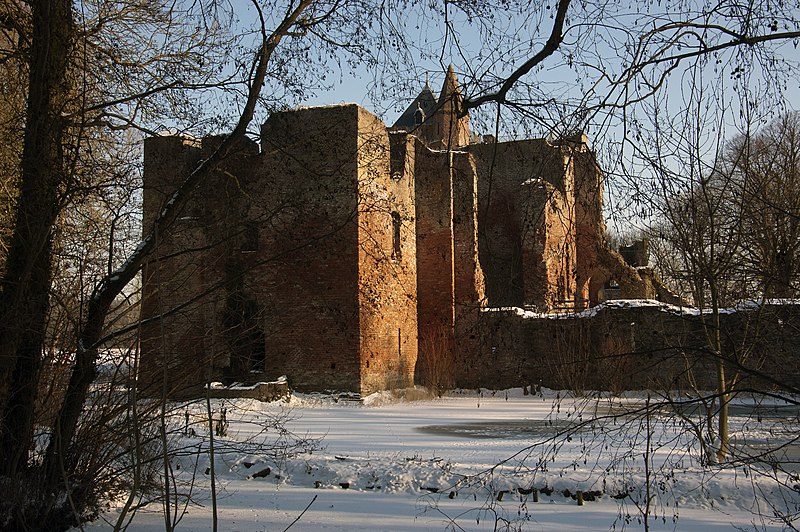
346 255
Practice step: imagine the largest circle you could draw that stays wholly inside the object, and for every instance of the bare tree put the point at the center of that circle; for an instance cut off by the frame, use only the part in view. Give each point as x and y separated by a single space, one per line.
662 86
90 71
765 168
26 283
71 64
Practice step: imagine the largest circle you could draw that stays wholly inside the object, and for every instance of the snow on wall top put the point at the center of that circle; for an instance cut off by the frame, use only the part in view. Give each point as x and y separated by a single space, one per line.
642 303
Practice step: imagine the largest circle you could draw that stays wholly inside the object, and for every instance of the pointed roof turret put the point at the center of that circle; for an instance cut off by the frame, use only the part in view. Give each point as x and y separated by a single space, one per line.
437 123
451 91
426 102
452 128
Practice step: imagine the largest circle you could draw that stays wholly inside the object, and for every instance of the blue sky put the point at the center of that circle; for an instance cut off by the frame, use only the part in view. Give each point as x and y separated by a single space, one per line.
575 87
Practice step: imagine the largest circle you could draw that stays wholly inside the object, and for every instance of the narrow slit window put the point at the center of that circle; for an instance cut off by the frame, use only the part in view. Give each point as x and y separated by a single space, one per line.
397 251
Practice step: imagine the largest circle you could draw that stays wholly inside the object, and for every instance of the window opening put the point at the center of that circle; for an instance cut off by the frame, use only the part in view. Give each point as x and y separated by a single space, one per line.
397 251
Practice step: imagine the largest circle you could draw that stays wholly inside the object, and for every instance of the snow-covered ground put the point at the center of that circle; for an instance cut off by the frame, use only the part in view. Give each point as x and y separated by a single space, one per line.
469 462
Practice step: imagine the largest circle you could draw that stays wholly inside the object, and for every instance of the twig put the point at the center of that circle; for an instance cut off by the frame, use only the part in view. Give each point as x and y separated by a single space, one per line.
301 514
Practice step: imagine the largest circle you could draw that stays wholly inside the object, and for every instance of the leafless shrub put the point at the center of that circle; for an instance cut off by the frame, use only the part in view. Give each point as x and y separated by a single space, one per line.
436 366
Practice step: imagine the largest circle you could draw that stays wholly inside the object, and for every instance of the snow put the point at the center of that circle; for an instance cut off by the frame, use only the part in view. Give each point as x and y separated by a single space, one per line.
640 303
326 106
396 465
590 312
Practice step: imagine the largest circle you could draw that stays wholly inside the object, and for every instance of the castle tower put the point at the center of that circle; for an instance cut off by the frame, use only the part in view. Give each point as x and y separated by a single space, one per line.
437 122
453 129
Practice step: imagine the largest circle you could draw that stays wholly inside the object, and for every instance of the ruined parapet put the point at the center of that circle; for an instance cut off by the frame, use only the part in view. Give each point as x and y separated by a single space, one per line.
525 222
636 254
635 279
660 291
610 266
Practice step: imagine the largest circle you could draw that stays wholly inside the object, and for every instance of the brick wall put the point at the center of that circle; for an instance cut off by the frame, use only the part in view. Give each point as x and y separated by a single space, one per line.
617 348
434 227
525 221
387 264
167 161
310 285
334 252
297 260
469 282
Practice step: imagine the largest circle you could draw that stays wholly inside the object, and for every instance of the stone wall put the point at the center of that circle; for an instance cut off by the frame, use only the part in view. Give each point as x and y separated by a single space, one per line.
297 259
351 258
619 346
168 160
469 283
387 285
526 220
308 274
435 255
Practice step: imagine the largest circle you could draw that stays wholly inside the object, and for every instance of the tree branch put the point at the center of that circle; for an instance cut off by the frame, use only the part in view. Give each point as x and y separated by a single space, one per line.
111 285
552 44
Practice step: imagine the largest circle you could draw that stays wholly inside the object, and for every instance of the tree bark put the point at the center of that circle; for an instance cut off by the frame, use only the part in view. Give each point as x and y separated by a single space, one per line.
26 283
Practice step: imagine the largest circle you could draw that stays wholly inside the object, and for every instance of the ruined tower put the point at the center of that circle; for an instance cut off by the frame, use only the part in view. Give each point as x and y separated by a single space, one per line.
297 259
437 122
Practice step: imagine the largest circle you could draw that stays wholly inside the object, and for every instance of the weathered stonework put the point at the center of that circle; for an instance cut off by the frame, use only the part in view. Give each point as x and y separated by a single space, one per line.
349 256
630 345
296 262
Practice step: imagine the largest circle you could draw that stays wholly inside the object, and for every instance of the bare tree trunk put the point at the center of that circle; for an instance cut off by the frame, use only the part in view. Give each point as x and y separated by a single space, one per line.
26 284
722 388
722 451
84 371
213 474
136 449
